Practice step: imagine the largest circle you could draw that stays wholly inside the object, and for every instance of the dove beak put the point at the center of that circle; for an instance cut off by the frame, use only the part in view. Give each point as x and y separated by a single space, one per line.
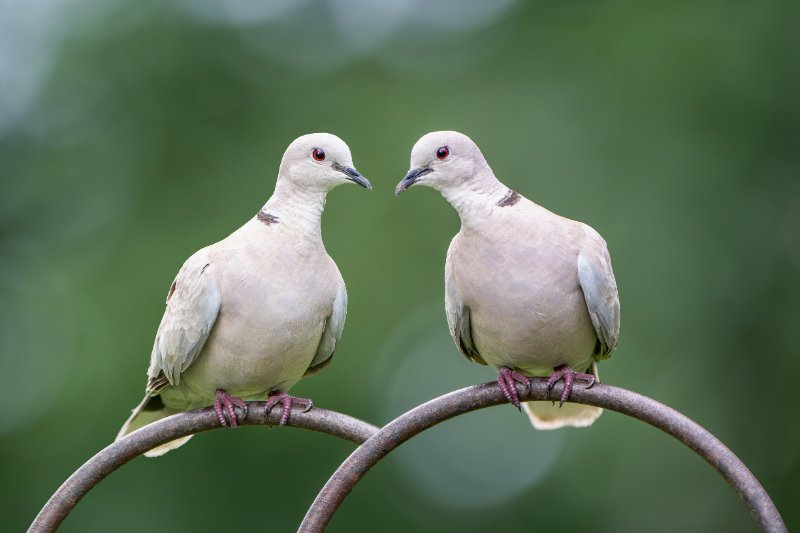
353 175
411 178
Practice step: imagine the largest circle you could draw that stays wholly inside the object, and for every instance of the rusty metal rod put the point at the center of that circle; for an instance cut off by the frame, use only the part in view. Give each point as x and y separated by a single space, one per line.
117 454
477 397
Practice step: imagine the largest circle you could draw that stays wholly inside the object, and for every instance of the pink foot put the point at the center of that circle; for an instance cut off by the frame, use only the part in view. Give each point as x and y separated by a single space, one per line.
569 376
278 396
507 379
224 403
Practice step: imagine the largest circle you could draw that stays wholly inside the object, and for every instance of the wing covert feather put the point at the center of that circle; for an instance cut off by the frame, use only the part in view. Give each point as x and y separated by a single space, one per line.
193 303
600 291
458 314
334 326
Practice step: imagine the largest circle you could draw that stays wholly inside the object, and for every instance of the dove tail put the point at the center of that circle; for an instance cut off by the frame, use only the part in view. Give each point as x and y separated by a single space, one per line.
545 415
150 410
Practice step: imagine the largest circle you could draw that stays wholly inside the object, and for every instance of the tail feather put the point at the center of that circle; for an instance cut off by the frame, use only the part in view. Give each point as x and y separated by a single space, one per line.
150 410
545 415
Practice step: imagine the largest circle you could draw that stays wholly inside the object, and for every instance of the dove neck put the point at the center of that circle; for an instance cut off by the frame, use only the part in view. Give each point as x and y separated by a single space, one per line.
476 198
297 208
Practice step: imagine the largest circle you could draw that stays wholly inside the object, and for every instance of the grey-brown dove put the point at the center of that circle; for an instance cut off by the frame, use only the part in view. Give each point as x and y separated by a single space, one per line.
527 291
252 314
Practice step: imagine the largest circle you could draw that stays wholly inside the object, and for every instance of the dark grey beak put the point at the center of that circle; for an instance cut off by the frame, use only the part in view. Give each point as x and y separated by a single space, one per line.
411 178
353 175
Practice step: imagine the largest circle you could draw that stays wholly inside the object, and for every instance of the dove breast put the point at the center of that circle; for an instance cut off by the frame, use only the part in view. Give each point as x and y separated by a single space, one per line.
517 272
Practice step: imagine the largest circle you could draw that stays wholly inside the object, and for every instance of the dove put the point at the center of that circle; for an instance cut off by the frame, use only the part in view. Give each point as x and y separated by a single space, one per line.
527 292
254 313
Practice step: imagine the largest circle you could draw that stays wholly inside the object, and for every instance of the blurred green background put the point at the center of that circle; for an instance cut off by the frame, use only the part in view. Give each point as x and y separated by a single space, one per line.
132 134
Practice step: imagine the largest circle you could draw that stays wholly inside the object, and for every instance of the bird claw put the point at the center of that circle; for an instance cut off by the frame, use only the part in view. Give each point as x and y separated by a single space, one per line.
507 380
224 404
281 397
569 376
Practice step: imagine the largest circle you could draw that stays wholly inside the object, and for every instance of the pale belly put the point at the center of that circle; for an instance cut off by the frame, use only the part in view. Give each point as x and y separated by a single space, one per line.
534 341
266 356
257 359
525 312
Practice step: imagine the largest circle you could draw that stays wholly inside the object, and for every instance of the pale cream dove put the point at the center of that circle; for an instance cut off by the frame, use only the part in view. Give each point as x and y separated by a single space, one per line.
527 291
251 315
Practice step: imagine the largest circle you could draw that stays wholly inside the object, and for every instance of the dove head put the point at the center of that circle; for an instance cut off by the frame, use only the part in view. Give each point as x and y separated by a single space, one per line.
448 161
318 162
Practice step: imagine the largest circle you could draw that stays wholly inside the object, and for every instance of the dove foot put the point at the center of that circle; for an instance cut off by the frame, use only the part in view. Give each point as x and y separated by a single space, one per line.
569 376
225 403
507 379
282 397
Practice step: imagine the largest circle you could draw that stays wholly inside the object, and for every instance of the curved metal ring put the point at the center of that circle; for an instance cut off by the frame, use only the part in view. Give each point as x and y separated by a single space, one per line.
477 397
117 454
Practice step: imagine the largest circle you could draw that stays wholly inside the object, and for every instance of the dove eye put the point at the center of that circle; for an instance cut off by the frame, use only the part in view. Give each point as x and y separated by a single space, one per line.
318 154
443 152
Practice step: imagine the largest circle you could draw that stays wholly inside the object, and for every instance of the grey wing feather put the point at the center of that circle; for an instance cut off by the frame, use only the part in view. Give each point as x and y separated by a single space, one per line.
193 303
332 332
600 291
458 317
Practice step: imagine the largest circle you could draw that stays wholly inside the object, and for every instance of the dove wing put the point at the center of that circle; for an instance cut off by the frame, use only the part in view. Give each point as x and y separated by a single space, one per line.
193 302
457 313
600 291
331 333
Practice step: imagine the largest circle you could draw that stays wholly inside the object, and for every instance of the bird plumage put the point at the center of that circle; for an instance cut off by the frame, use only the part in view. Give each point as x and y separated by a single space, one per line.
258 310
525 289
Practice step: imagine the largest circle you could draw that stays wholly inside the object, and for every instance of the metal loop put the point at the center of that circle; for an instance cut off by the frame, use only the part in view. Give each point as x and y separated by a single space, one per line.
477 397
117 454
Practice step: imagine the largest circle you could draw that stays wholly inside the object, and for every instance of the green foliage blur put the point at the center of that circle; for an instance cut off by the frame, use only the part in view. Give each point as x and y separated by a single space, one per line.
134 133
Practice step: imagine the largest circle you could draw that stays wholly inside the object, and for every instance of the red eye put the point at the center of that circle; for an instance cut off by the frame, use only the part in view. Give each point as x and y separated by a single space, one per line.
443 152
318 154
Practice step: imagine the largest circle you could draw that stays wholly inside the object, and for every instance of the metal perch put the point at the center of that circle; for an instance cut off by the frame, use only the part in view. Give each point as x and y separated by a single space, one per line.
117 454
477 397
378 443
